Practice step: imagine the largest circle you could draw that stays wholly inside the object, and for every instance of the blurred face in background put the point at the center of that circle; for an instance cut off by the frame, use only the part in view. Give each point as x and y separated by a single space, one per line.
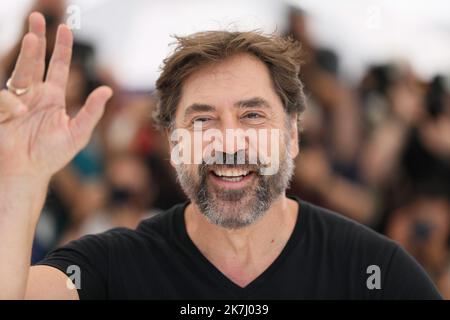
129 182
236 93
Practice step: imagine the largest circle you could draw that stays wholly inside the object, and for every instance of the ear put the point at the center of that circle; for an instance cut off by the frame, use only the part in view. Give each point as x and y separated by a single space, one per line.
294 147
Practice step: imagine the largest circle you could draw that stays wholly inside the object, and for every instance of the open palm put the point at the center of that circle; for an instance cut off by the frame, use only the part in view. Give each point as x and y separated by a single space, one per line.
37 137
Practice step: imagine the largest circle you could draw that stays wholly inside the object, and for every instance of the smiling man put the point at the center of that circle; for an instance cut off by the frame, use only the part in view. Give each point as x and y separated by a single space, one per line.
239 236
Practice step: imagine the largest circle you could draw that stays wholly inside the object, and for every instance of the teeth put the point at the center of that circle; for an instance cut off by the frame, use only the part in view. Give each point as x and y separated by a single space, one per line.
221 172
234 179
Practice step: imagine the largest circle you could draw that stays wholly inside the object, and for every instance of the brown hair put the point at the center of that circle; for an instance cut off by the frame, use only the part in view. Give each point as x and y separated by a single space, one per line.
281 56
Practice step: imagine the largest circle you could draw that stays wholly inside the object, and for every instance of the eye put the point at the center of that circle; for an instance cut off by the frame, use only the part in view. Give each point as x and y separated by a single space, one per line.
201 119
253 116
201 122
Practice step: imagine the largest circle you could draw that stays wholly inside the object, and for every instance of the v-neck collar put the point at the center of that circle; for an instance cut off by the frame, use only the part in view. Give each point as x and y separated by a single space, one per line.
217 275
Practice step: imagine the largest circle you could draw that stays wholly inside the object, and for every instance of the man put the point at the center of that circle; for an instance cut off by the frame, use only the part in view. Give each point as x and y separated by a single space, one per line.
239 237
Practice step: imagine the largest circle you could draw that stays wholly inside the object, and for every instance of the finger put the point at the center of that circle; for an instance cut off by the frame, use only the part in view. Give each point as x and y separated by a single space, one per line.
10 106
23 72
58 69
37 27
87 118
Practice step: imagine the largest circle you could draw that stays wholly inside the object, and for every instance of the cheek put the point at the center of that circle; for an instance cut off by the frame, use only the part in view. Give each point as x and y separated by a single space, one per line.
294 145
193 171
273 142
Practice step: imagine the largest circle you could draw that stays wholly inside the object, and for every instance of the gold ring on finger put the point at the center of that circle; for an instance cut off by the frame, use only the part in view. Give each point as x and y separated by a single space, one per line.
16 91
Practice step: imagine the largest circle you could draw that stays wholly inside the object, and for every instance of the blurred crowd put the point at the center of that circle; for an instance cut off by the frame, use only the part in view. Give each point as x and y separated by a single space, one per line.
377 152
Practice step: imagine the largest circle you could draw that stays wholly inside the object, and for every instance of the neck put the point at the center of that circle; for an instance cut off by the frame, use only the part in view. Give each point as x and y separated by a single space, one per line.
247 246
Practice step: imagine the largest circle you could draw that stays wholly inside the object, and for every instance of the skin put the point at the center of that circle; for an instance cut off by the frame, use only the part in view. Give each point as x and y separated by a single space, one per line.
240 254
42 139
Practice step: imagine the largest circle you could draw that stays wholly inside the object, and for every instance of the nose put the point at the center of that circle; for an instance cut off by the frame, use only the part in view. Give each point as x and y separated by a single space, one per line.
234 137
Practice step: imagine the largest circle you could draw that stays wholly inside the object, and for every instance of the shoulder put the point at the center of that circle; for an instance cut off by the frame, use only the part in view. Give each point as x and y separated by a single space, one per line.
357 249
341 231
150 232
344 244
160 227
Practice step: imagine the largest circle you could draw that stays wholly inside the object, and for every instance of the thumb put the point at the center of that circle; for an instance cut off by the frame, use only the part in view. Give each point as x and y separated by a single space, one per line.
82 125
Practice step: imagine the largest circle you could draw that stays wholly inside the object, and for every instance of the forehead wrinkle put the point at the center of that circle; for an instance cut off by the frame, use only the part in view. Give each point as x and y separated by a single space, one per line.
214 82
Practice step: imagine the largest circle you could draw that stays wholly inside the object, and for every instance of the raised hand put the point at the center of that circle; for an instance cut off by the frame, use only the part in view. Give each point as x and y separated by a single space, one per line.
37 137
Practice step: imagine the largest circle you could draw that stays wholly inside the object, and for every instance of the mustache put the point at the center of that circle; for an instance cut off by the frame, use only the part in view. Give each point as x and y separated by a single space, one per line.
240 157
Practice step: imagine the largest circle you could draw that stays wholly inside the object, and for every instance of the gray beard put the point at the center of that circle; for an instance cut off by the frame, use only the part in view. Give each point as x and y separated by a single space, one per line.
235 209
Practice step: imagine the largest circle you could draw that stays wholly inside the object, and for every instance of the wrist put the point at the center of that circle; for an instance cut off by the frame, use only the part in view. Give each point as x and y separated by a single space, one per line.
24 180
22 194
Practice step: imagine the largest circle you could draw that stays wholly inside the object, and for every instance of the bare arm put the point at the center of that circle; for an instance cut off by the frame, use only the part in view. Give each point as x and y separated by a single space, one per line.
37 139
353 200
49 283
382 153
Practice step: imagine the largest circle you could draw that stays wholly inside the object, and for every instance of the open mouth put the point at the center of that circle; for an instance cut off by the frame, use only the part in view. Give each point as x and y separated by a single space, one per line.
231 177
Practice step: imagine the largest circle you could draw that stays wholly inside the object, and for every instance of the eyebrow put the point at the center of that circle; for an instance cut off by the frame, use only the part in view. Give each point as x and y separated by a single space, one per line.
247 103
198 107
252 103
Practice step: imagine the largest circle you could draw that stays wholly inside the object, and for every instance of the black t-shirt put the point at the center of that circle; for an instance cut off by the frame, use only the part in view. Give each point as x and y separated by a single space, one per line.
326 257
